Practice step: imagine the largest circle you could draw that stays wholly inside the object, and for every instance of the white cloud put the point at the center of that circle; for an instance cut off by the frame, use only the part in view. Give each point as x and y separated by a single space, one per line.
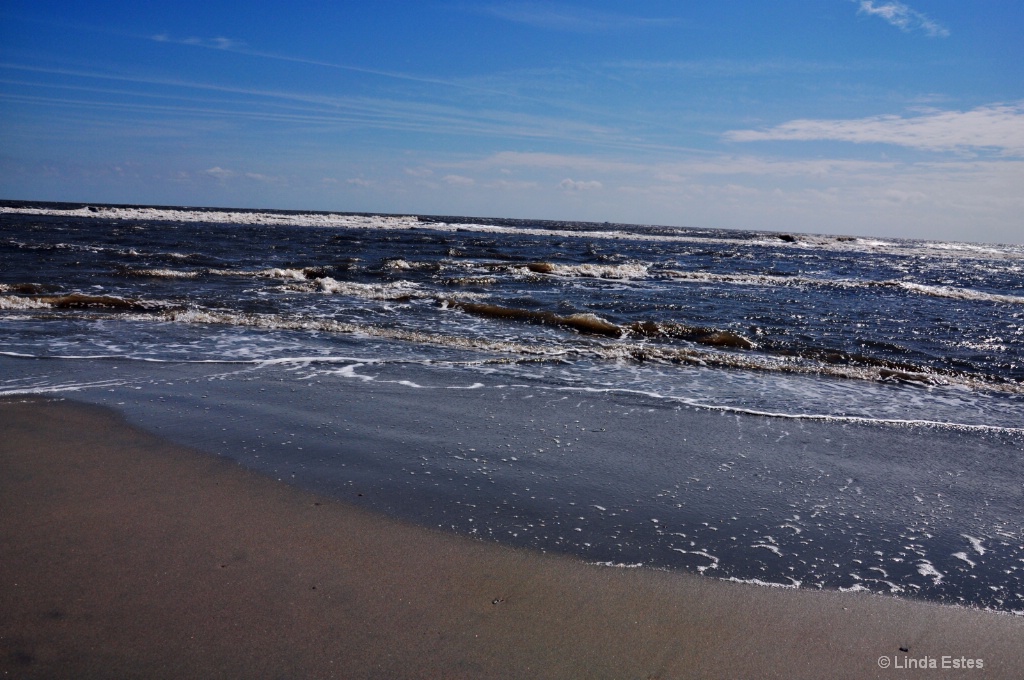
953 197
220 173
903 17
998 127
568 184
511 185
960 200
224 174
419 172
359 182
458 180
503 160
258 177
901 197
671 172
223 43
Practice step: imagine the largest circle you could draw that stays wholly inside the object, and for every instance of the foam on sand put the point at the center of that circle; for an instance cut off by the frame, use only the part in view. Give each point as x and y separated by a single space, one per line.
153 561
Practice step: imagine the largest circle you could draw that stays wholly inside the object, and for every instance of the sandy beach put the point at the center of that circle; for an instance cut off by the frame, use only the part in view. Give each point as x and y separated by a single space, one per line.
127 556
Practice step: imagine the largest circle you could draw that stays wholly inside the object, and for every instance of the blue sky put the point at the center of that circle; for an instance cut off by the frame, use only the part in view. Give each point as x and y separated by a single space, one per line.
866 117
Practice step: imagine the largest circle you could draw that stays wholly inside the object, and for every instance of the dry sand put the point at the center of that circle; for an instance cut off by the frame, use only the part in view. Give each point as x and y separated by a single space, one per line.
123 556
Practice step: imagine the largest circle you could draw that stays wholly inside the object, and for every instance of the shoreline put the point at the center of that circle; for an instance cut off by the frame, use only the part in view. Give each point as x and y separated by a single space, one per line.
127 555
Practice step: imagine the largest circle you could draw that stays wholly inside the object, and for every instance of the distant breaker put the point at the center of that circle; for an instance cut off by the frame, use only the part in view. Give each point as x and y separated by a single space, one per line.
525 227
224 216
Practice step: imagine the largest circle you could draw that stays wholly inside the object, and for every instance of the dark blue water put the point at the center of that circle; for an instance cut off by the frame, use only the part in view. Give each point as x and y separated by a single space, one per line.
852 408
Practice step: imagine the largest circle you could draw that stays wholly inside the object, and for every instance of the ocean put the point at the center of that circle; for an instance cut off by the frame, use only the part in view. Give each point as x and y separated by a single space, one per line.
792 410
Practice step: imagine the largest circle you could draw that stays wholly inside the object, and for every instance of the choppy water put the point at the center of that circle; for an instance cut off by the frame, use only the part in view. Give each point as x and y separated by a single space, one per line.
785 331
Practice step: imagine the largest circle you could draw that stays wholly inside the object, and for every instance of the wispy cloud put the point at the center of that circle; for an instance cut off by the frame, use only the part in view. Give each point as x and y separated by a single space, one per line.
266 179
458 180
220 173
615 171
218 43
569 184
729 68
228 45
508 93
257 104
998 127
932 199
225 174
551 161
903 17
559 17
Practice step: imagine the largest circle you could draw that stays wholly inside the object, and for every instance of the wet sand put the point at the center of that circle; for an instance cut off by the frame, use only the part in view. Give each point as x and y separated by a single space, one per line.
122 555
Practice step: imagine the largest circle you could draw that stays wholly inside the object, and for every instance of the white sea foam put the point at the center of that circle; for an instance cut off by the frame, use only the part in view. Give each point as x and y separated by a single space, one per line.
78 301
334 220
743 279
350 372
602 271
277 322
44 388
767 584
287 274
704 567
926 568
166 273
855 588
395 290
975 543
949 292
307 360
618 565
224 216
963 556
963 247
773 548
959 293
12 302
616 350
309 281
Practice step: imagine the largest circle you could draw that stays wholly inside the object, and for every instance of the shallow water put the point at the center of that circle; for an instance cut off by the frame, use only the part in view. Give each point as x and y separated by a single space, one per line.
814 412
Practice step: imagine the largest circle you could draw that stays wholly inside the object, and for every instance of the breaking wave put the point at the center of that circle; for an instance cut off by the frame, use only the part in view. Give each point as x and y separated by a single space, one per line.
79 301
630 232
